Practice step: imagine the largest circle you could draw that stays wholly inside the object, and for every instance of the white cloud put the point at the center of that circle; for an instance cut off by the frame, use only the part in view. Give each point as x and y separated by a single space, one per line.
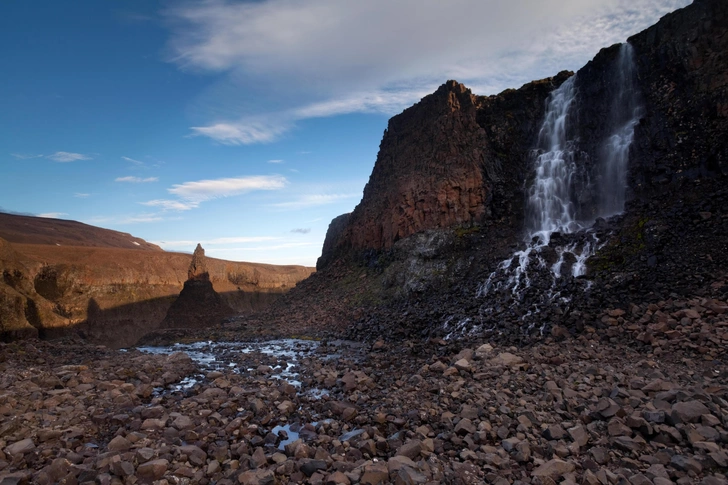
135 162
192 194
25 156
269 128
217 241
53 215
268 247
301 230
211 189
136 180
68 157
141 218
275 161
127 219
245 131
171 205
81 195
312 200
288 61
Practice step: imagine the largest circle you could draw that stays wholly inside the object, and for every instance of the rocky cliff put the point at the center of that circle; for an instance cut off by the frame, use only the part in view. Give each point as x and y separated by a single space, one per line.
456 159
112 295
446 202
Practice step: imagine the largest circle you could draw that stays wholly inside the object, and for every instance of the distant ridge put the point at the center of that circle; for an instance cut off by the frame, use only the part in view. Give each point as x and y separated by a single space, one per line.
39 230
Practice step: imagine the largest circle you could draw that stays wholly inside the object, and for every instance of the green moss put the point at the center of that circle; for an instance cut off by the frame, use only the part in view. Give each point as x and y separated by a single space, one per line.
627 245
305 337
463 231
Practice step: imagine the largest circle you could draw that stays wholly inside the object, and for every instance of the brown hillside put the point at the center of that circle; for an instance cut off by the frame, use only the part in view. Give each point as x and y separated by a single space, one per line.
111 287
115 296
40 230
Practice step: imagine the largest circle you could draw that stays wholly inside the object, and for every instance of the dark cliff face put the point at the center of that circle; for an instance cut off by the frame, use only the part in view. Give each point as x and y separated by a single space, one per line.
336 227
456 159
452 160
428 172
682 66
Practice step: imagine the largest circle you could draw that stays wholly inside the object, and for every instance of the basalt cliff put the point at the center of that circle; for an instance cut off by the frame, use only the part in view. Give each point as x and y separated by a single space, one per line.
62 277
453 200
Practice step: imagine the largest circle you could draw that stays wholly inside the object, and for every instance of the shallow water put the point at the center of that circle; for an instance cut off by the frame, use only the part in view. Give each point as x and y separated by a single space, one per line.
218 356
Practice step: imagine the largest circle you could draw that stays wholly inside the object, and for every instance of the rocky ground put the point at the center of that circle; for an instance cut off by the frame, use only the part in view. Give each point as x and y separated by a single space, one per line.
589 408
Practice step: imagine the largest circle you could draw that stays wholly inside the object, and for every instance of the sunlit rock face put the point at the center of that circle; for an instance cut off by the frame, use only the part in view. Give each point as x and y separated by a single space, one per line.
63 277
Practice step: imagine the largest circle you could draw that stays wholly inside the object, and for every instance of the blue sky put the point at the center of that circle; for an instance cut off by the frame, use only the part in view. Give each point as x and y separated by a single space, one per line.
248 126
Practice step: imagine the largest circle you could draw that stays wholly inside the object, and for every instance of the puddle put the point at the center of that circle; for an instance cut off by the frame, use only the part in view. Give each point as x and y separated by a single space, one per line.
292 435
351 434
282 355
218 356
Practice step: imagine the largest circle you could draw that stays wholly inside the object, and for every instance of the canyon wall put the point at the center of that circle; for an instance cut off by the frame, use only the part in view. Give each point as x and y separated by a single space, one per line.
114 296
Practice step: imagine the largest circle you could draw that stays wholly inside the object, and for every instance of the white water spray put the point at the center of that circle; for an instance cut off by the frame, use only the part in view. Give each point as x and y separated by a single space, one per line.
551 203
550 206
624 116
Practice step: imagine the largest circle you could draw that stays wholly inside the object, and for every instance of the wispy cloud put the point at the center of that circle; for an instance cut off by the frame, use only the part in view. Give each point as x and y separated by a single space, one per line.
275 161
171 205
135 162
217 241
141 218
212 189
15 213
136 180
271 52
52 215
301 230
268 247
269 128
312 200
245 131
127 219
25 156
192 194
81 195
68 157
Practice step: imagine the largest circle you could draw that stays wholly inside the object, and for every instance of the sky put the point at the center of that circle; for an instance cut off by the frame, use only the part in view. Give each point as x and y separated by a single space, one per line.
247 126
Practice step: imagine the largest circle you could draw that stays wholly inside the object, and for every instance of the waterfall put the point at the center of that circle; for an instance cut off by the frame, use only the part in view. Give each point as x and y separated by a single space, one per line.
550 206
625 113
558 178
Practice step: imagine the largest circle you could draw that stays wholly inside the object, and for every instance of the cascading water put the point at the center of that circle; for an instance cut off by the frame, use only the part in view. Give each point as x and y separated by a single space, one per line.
550 203
624 115
550 206
559 179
